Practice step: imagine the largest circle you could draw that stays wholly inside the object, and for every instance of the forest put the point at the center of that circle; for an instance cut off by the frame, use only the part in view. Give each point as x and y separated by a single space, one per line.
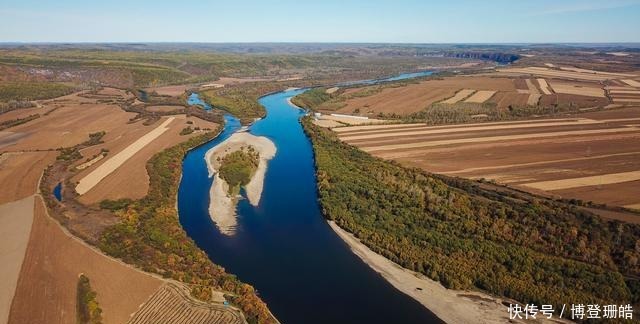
25 91
466 237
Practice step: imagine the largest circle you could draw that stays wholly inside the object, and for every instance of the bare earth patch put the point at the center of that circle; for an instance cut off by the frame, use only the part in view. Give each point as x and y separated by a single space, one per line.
15 226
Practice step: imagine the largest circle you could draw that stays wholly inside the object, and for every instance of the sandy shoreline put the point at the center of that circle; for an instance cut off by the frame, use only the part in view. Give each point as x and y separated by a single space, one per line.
292 104
222 206
451 306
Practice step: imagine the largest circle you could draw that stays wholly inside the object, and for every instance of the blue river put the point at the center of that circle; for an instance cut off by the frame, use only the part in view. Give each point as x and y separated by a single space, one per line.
284 247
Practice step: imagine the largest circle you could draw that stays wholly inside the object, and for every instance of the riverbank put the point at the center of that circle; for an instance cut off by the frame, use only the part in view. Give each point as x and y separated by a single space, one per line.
222 206
451 306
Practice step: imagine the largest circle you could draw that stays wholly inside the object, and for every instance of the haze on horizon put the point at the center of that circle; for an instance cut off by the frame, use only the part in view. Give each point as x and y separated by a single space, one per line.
402 21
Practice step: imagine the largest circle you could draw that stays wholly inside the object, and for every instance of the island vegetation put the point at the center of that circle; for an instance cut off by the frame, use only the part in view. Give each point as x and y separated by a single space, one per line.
238 167
465 236
150 236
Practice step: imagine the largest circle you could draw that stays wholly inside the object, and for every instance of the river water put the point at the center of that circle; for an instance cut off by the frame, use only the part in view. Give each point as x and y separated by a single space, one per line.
284 247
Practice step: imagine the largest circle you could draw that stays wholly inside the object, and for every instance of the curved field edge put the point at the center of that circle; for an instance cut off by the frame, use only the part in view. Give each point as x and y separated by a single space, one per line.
150 236
453 231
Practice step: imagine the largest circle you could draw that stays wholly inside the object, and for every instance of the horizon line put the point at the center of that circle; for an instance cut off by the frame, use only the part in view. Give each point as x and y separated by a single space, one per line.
322 42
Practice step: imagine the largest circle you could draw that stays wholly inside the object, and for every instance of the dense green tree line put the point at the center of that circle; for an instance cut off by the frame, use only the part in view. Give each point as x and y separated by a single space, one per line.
454 231
151 237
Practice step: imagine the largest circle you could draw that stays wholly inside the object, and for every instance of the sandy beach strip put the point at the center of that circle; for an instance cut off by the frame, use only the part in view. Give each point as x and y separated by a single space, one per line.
16 219
222 207
102 171
451 306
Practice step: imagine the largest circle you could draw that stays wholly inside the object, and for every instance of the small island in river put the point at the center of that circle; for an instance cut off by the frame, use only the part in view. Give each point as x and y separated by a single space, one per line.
238 162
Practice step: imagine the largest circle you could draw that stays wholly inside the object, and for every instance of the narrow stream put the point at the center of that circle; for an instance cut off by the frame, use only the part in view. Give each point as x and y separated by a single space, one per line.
284 247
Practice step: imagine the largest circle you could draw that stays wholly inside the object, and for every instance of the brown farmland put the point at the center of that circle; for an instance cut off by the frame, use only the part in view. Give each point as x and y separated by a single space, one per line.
130 180
522 154
415 97
20 172
69 122
49 276
173 304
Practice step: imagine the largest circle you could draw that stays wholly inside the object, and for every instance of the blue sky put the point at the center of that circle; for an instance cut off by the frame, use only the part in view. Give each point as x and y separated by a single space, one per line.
413 21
